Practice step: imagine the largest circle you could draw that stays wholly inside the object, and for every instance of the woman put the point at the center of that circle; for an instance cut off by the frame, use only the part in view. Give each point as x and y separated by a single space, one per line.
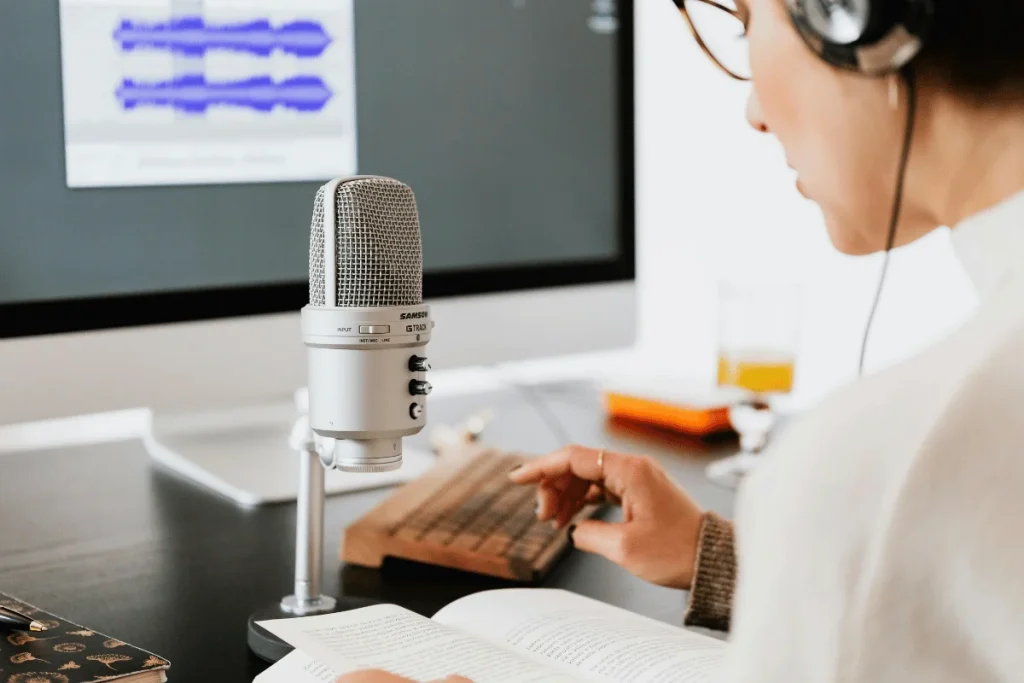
880 538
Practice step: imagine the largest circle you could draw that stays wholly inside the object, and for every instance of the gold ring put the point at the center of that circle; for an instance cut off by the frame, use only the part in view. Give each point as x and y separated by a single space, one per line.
600 462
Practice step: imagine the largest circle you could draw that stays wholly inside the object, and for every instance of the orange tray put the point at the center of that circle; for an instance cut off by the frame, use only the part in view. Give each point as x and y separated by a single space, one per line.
693 420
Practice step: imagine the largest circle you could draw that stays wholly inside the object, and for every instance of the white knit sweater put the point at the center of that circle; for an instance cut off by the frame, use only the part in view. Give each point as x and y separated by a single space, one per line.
882 540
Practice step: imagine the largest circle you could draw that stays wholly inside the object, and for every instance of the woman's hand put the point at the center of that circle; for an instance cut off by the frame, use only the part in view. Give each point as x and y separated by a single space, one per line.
657 539
376 676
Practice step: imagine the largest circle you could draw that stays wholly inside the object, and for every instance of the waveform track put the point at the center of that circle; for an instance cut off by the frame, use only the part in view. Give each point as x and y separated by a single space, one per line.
194 94
193 36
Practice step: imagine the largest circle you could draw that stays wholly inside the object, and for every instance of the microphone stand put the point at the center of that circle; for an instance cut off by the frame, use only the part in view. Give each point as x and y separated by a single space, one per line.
309 527
309 543
306 600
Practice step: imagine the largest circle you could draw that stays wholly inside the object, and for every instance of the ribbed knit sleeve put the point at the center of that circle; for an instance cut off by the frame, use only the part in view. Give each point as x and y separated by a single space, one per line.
714 575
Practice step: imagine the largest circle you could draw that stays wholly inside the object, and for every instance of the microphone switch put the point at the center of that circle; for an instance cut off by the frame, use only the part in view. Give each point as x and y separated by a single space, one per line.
419 387
418 364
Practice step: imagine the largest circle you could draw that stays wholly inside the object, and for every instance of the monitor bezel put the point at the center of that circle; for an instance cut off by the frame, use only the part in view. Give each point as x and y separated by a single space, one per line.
26 319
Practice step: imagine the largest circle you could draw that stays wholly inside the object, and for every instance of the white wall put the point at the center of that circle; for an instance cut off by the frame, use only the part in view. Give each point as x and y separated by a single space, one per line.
716 199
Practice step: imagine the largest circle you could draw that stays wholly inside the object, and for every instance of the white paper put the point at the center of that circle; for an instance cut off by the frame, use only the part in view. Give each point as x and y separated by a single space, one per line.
402 642
598 641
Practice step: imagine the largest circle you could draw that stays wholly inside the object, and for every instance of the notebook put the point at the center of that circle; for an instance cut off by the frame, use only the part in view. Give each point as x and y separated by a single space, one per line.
69 653
512 635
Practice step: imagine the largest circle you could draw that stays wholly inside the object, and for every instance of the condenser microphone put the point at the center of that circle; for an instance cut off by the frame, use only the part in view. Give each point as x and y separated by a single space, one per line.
366 326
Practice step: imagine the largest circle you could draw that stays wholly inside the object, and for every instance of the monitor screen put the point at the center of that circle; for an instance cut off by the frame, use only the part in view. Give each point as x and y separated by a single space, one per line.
173 146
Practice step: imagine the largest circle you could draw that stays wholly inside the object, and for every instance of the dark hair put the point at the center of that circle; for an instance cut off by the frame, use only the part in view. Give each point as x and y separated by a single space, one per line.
977 46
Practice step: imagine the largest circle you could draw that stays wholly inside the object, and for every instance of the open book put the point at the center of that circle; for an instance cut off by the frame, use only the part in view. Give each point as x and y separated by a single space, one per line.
515 635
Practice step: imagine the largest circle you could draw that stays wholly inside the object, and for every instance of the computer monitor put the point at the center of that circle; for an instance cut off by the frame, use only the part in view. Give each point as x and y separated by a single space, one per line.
160 160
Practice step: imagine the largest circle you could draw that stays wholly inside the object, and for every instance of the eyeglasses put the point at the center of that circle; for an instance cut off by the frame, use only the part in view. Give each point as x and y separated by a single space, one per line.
720 28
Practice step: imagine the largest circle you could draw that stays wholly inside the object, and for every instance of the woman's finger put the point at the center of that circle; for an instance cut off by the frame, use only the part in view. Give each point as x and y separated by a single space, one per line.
579 461
601 538
547 502
555 504
598 495
571 502
544 467
554 495
565 511
595 495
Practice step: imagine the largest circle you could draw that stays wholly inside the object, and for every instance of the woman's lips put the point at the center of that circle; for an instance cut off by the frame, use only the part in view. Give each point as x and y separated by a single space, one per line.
799 185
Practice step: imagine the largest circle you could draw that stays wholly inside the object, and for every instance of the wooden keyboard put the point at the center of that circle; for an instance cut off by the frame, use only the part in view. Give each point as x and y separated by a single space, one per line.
464 514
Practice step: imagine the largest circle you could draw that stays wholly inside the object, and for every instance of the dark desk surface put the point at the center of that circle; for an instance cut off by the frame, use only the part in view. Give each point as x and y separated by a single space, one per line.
103 537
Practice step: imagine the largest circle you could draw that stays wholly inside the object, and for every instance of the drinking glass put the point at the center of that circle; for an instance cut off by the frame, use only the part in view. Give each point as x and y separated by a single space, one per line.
758 335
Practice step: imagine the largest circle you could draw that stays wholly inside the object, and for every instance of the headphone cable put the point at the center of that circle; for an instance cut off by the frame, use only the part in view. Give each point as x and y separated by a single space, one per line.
908 76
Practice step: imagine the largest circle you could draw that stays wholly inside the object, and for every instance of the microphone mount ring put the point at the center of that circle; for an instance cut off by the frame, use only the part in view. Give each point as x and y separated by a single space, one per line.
328 455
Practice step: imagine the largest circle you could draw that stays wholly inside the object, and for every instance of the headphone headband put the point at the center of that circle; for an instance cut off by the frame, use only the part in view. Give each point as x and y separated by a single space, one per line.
872 37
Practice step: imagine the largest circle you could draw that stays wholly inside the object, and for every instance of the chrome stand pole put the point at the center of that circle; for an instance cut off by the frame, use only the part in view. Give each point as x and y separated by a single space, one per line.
309 528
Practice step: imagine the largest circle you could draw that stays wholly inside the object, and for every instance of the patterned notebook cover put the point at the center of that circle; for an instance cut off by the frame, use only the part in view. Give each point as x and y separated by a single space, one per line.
67 652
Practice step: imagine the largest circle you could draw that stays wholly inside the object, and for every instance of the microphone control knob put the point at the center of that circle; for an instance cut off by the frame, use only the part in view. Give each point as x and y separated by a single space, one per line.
419 388
418 364
415 411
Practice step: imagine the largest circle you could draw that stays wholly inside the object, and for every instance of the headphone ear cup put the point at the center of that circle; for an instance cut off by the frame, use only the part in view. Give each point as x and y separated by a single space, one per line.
872 37
840 23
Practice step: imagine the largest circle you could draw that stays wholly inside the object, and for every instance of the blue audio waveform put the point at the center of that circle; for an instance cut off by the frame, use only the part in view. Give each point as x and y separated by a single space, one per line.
192 36
194 94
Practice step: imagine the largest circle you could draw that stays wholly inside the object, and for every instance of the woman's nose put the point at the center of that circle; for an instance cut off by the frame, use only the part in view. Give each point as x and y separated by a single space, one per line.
754 115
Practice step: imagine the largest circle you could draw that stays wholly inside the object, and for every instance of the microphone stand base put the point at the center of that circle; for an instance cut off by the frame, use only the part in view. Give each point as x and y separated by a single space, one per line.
321 604
269 647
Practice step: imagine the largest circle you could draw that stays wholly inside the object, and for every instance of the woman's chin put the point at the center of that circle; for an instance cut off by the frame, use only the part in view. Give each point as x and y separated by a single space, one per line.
846 241
841 230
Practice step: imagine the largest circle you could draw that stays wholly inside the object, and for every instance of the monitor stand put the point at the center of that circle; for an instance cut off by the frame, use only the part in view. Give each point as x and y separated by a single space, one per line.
244 454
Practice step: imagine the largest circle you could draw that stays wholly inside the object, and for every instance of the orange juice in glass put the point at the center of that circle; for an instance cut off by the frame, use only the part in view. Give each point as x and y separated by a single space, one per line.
757 339
762 372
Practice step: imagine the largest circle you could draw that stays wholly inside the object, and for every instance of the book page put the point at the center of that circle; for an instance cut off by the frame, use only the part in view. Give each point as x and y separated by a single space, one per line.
599 641
298 667
407 644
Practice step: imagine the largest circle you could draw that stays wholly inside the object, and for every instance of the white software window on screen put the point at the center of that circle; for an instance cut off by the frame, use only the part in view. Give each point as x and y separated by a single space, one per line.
174 92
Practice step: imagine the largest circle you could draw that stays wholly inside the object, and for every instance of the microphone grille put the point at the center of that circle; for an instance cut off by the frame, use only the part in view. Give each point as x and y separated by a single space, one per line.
317 286
378 249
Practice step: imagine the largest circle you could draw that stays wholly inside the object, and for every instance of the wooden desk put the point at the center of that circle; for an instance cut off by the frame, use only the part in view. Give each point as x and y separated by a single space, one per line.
101 536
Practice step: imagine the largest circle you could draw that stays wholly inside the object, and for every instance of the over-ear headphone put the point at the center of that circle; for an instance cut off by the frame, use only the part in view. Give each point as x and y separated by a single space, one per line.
873 37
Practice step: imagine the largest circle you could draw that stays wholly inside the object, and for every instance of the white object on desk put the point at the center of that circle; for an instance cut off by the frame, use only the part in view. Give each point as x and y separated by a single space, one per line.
250 461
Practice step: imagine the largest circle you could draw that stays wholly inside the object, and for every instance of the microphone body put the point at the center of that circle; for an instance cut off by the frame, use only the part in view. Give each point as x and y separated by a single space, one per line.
366 327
